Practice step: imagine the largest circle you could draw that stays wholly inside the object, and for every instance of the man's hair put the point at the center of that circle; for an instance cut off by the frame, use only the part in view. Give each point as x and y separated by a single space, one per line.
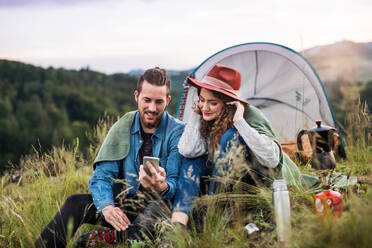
155 76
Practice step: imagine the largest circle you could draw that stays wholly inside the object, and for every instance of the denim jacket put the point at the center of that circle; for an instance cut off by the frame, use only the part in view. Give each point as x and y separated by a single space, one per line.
164 144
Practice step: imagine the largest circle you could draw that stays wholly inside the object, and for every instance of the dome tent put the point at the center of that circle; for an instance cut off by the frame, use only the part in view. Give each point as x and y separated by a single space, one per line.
277 80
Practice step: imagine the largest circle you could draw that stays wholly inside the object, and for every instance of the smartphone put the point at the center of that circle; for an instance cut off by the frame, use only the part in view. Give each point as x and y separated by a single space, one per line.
153 160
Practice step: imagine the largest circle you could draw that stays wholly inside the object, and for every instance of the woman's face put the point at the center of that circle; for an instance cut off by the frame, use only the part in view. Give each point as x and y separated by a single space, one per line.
209 105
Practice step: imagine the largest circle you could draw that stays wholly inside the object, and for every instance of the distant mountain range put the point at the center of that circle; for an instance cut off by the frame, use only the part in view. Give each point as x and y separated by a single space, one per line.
48 106
345 60
341 61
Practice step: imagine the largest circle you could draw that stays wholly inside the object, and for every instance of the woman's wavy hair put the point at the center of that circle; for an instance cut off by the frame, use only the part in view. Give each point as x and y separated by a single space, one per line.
214 129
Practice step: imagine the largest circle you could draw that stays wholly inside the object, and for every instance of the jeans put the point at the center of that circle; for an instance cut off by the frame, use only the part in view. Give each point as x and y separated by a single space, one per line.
79 209
194 170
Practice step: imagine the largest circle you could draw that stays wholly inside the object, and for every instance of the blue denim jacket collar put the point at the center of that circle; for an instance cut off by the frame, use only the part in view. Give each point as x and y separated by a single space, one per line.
159 132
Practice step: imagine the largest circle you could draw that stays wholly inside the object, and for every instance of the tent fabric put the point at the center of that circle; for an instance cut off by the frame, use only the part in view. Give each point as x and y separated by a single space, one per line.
275 79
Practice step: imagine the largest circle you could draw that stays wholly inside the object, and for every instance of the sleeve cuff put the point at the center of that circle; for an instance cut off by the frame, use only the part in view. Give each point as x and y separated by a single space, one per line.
169 192
164 192
242 124
102 204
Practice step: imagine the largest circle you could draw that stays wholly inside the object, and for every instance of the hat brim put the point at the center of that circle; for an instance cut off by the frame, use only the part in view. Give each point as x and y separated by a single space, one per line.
207 86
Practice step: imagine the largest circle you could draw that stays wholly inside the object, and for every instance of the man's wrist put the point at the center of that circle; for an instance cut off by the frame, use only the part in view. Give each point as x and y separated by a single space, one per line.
100 205
163 188
107 206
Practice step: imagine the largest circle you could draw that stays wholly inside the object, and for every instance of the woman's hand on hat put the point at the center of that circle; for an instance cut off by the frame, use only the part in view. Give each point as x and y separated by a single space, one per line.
239 113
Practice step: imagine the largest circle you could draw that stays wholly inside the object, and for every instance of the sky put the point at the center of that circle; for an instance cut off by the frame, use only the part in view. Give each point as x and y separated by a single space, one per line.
122 35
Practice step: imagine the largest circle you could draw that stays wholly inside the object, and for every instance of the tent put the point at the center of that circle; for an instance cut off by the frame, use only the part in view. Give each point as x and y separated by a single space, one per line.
277 80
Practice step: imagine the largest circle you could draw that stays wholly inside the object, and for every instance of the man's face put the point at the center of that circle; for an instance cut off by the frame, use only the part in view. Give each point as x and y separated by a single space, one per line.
151 105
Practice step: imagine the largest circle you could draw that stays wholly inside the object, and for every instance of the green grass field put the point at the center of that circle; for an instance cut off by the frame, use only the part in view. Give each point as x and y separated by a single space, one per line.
48 179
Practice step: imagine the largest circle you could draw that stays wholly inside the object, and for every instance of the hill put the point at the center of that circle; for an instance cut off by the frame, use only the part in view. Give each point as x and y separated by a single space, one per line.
177 78
345 60
43 107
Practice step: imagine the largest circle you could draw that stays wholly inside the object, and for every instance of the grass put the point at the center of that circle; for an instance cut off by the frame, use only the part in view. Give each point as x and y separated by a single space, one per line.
48 179
30 204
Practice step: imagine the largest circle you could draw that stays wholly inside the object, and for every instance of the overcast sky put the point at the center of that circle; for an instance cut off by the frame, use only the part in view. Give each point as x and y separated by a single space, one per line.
121 35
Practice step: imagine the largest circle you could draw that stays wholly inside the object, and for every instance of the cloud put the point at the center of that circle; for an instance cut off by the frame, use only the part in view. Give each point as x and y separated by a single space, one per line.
21 3
148 1
119 35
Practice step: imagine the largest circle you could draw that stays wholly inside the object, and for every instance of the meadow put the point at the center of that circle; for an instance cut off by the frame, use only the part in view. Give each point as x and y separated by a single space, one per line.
47 179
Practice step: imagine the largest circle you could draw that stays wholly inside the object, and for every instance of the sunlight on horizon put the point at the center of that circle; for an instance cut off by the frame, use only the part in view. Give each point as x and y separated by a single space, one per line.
118 36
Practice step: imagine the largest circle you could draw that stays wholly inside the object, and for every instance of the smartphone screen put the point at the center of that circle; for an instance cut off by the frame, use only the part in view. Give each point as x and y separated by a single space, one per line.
153 160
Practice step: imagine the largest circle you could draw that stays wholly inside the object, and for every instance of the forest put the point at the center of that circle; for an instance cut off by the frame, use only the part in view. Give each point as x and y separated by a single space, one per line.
41 108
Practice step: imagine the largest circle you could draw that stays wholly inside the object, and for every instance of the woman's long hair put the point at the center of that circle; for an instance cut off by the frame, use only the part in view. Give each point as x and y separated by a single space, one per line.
213 130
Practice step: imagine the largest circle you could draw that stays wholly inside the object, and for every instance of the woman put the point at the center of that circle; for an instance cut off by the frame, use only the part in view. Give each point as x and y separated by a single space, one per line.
215 132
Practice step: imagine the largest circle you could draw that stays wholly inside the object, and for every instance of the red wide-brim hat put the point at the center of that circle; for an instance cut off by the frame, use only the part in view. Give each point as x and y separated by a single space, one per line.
222 79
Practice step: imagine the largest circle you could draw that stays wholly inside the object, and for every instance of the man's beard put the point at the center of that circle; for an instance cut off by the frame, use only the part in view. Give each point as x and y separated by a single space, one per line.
154 123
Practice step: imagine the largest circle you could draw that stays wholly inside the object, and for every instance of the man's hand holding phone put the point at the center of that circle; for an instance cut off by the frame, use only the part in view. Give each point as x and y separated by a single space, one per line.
154 162
152 176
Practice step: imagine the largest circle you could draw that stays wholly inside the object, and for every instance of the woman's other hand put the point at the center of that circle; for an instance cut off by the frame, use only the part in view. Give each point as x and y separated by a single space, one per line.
239 114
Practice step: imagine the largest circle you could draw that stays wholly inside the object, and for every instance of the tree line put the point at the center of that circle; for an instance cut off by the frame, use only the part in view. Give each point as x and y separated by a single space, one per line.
41 107
44 107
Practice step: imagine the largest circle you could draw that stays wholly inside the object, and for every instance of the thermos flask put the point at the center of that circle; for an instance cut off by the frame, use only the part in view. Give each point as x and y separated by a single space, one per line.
282 210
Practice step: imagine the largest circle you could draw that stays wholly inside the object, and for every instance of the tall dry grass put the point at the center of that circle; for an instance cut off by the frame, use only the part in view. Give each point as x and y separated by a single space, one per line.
224 224
47 179
29 205
358 132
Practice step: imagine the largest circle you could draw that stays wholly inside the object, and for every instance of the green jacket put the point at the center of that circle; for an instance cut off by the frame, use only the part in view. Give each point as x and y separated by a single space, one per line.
117 142
286 169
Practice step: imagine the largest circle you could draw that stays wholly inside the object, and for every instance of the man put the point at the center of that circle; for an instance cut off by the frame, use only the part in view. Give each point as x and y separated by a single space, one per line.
150 131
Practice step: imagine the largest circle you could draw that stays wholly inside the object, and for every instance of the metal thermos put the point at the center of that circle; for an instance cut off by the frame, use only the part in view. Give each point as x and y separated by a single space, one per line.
282 210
